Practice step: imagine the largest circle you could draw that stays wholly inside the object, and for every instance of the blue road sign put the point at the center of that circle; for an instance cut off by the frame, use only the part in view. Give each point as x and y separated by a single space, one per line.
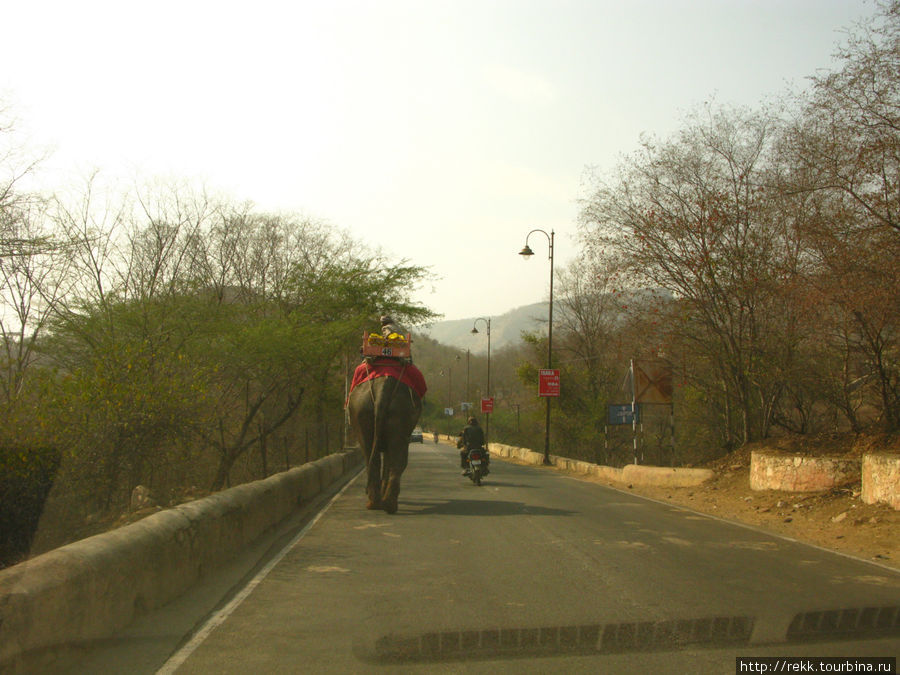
620 413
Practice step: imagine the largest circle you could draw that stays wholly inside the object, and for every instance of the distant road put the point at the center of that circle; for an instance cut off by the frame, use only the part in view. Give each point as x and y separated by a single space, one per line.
536 572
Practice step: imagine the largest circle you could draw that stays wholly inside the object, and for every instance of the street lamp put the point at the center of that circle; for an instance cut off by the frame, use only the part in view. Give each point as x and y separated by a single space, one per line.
487 420
467 376
527 253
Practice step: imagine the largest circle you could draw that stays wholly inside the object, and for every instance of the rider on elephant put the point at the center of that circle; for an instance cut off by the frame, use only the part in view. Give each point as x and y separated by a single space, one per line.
472 436
389 327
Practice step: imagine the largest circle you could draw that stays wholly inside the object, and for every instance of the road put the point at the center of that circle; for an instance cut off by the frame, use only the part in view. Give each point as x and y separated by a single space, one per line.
532 572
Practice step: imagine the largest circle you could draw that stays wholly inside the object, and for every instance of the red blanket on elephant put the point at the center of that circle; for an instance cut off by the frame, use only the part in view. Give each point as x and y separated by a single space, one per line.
408 374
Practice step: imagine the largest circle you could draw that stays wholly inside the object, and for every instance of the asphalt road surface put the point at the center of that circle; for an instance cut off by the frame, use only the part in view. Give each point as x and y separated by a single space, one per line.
531 572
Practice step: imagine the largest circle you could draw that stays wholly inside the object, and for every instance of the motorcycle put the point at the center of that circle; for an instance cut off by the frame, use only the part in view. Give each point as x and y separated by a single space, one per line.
477 465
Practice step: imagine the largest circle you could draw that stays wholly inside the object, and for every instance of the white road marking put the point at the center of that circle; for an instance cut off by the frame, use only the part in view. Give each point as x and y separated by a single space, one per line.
637 545
865 579
368 525
747 545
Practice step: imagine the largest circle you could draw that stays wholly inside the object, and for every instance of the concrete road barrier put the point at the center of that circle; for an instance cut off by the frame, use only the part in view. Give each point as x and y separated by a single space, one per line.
91 588
608 473
633 473
664 476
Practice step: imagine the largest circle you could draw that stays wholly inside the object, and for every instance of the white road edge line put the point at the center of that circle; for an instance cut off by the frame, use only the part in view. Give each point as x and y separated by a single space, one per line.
178 658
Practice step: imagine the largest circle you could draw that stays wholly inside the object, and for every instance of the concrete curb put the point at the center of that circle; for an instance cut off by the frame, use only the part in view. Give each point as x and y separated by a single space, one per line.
89 589
665 476
632 473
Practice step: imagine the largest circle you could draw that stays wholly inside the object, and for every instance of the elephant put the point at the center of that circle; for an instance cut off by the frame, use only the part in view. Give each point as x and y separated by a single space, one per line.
383 412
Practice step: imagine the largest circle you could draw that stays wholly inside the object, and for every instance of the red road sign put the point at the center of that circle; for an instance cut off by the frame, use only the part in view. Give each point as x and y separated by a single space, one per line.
487 405
548 382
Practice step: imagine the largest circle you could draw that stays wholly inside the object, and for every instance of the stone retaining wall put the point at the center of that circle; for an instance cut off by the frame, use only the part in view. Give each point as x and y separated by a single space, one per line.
798 473
881 479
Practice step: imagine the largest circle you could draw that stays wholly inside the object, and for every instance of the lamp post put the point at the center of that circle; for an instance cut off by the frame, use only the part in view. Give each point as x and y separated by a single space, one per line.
457 358
467 376
487 422
450 394
527 253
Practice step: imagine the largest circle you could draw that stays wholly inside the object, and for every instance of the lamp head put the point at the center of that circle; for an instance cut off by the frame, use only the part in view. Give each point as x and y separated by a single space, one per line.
526 252
474 331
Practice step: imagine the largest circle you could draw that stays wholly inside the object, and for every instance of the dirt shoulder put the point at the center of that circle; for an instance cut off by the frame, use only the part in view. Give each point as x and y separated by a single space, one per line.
837 519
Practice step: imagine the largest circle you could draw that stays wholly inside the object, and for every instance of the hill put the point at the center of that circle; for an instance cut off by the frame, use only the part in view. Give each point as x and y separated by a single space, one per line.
506 329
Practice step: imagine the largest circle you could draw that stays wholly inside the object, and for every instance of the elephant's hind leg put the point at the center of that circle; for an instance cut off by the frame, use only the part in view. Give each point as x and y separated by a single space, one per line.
390 498
390 490
373 483
394 466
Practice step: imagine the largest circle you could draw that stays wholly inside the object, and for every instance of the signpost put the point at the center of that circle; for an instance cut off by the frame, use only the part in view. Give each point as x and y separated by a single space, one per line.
651 384
487 405
548 382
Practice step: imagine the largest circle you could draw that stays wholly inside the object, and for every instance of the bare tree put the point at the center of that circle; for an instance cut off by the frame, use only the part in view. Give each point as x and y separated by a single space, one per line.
34 270
16 162
92 225
32 265
691 216
848 141
844 156
169 219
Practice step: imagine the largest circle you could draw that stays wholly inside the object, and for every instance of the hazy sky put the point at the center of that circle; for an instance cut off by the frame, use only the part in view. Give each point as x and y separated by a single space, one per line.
442 131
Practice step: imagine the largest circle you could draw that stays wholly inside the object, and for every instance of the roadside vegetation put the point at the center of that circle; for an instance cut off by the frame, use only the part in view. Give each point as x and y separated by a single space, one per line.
168 337
171 339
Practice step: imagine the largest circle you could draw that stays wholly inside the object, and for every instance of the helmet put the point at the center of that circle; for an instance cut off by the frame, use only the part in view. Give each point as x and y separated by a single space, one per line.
386 319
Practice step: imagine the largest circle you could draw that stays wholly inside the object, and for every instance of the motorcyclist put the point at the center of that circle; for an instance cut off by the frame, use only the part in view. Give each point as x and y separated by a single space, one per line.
472 436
